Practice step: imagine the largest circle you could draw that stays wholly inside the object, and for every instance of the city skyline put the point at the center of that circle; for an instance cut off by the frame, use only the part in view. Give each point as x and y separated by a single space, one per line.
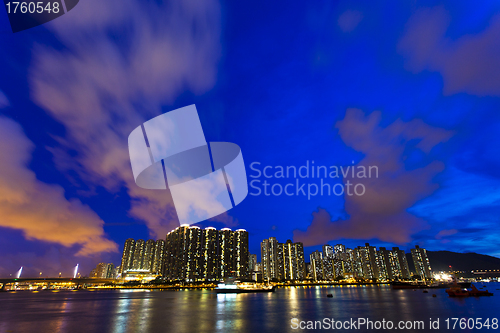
191 254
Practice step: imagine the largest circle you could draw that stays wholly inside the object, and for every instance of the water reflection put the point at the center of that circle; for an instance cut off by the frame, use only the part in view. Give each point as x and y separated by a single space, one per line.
123 311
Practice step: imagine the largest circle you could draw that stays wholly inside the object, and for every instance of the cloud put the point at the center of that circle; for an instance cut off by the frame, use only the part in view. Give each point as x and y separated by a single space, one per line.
446 232
475 218
38 209
101 87
382 211
349 20
4 101
468 64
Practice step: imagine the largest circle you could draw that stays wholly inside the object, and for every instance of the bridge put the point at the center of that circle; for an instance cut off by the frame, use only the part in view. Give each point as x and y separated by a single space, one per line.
77 281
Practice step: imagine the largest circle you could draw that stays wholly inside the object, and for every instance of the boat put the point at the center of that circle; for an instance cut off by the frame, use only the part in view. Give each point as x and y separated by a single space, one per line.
232 286
459 291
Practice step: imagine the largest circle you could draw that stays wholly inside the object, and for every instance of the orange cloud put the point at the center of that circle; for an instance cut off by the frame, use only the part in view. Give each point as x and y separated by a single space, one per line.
468 63
382 211
100 91
38 209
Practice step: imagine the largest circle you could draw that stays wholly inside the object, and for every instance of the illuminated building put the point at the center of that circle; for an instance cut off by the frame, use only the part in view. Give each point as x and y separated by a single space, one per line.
225 253
269 256
252 263
282 261
128 255
328 251
240 253
386 271
317 265
158 257
339 248
138 255
421 262
368 261
140 260
175 254
293 261
194 259
192 254
210 256
400 264
147 261
103 271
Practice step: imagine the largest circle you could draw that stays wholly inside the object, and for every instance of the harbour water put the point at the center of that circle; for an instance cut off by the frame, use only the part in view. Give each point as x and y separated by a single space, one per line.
120 311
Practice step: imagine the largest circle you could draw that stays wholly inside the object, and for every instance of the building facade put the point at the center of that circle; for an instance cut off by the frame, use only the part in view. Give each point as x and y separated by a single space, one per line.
282 261
142 256
195 255
421 262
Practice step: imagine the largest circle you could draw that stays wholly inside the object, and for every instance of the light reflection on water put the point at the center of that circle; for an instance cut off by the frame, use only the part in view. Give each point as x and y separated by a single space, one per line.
124 311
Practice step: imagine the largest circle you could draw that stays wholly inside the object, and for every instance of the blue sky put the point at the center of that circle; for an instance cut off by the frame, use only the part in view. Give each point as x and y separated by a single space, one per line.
410 87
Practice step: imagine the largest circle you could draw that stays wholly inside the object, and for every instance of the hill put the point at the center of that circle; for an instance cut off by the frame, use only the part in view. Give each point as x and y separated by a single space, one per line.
441 260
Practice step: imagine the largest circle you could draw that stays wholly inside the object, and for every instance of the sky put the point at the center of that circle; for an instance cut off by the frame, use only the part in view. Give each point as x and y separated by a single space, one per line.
409 87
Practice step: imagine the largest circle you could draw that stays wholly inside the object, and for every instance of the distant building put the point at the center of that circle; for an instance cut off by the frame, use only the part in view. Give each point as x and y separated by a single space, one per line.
211 258
147 260
158 257
103 271
400 269
142 257
421 262
293 261
252 262
269 257
328 251
317 271
282 261
365 262
240 254
128 255
138 255
384 264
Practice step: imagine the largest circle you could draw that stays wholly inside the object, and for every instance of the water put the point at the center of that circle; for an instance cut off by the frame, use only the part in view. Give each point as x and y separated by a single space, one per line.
120 311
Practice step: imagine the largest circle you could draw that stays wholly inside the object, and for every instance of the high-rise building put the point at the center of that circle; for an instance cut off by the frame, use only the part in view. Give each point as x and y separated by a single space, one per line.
240 253
252 263
104 271
210 254
400 268
175 254
158 258
317 271
141 256
269 256
194 269
138 255
368 261
421 262
293 261
328 251
282 261
127 256
147 260
384 264
226 253
339 248
192 254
